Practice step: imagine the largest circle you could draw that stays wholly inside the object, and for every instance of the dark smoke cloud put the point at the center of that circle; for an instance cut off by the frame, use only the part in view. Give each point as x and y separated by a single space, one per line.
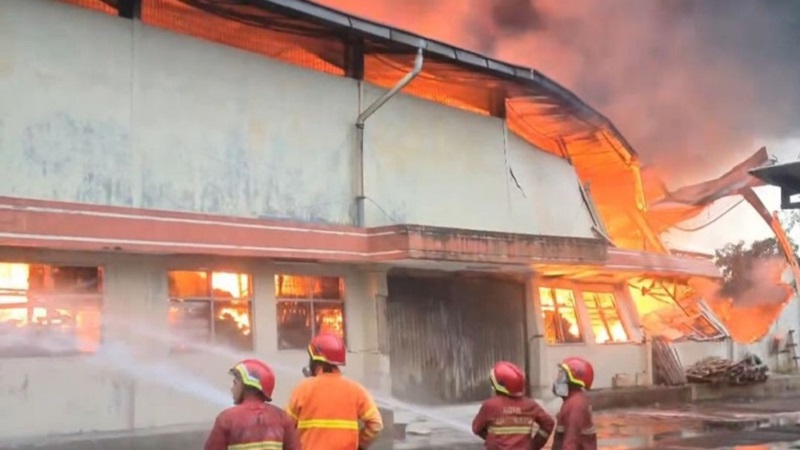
686 81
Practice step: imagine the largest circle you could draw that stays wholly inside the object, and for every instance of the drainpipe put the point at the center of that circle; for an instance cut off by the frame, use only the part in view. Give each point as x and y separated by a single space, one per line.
360 131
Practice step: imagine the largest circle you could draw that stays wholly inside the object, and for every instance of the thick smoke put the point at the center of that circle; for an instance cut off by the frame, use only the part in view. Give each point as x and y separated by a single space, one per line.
750 306
763 284
696 81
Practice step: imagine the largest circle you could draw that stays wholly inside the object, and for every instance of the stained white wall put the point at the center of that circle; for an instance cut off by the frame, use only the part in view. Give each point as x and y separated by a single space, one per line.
104 110
608 361
431 164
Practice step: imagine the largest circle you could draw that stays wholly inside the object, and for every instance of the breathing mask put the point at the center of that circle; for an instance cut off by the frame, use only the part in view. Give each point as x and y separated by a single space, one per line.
561 385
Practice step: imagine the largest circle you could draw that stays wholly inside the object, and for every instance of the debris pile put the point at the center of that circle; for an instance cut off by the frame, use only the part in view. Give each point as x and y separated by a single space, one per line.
715 370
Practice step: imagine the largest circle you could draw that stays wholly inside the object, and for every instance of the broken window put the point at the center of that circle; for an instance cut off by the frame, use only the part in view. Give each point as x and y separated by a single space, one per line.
673 311
211 308
49 310
308 306
601 307
559 316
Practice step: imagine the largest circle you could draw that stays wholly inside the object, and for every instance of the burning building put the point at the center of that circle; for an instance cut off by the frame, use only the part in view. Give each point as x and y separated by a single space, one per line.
186 176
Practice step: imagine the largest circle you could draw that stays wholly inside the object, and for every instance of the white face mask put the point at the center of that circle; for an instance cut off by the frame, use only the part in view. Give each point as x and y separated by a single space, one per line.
561 385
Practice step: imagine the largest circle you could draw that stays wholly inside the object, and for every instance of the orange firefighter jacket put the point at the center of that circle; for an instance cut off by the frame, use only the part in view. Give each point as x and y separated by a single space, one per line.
327 409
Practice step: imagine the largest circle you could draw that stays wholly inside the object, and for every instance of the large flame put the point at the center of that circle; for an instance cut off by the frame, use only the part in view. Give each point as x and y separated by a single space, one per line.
229 294
51 310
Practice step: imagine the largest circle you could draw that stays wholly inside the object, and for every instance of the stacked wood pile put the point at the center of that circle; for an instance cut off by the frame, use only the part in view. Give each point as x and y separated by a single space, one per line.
667 367
715 370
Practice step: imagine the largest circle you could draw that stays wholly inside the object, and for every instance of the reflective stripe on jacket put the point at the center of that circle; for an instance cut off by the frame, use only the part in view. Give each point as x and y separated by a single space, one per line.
510 424
328 408
253 425
575 428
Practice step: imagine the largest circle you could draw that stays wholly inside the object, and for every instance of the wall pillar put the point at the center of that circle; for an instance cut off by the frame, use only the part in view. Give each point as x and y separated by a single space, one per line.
264 311
365 320
537 346
135 311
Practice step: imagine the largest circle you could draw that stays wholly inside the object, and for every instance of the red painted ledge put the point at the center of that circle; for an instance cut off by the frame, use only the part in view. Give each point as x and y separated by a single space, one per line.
82 227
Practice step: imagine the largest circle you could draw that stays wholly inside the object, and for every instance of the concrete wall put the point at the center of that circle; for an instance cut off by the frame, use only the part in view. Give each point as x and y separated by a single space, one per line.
430 164
104 110
608 360
137 383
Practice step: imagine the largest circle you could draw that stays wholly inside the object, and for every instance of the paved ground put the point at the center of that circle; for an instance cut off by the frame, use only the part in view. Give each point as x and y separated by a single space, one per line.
742 425
758 425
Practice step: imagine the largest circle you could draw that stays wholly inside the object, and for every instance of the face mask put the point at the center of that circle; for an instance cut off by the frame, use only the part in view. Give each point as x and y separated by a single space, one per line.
561 385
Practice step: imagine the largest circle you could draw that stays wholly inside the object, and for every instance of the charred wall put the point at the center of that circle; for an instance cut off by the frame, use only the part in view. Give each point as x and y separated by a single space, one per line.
446 333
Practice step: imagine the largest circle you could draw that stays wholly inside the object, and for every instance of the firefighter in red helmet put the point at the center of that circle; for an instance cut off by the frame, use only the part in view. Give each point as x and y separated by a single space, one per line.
327 407
575 428
506 420
253 422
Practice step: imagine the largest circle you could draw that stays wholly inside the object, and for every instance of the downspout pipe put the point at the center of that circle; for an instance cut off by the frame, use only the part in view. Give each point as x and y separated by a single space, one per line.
362 118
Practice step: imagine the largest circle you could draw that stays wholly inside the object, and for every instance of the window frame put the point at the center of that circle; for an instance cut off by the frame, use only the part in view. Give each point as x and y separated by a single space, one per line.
577 310
34 300
311 301
616 307
621 301
213 302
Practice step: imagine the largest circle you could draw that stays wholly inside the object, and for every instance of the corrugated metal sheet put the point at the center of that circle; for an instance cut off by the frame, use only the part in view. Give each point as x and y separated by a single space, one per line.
445 334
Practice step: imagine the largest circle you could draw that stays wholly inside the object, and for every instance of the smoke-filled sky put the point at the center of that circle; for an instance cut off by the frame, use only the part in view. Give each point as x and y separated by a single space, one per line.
683 80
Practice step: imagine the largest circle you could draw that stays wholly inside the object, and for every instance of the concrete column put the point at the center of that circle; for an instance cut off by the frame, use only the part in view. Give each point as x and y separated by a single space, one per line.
536 341
135 304
365 322
264 311
135 312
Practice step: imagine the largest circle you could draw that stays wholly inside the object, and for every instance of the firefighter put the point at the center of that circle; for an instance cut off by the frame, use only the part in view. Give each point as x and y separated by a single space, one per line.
506 420
574 425
253 422
327 407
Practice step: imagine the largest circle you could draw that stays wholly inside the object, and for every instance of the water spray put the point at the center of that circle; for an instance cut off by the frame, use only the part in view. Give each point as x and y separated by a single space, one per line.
289 369
120 356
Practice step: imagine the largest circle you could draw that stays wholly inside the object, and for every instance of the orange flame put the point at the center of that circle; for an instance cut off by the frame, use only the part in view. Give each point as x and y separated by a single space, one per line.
17 309
240 316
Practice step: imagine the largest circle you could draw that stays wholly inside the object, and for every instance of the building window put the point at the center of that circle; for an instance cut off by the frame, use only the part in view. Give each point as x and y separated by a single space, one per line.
560 316
210 308
48 310
308 306
604 317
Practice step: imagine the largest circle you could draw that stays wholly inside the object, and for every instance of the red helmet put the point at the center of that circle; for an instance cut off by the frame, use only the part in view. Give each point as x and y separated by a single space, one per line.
255 374
579 371
507 379
328 348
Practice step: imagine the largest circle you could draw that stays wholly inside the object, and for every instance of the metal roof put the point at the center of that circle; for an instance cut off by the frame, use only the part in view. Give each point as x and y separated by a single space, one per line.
786 175
525 75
